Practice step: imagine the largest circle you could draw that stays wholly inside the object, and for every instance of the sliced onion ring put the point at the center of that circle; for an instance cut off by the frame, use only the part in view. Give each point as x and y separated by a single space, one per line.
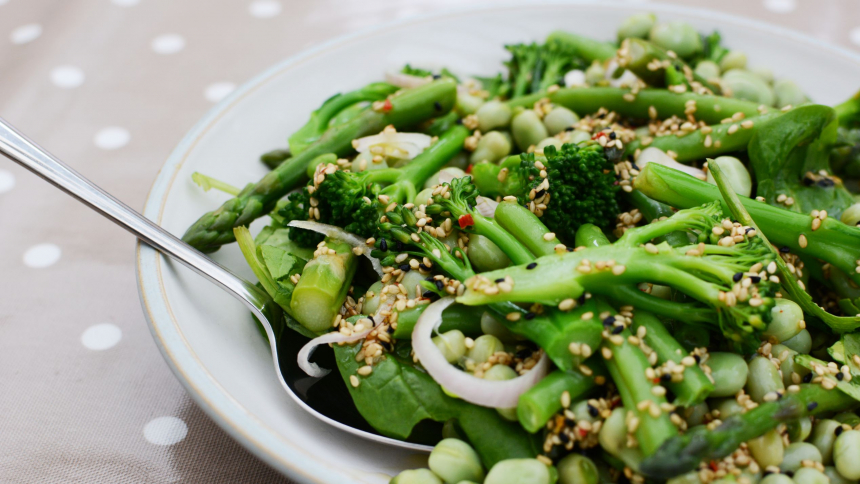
314 370
400 79
494 394
340 234
397 145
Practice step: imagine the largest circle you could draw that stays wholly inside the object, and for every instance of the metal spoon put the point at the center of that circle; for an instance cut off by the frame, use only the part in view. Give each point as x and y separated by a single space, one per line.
323 398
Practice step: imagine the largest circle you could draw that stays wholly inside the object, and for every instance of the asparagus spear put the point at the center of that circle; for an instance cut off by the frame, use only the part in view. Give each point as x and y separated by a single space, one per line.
408 107
322 289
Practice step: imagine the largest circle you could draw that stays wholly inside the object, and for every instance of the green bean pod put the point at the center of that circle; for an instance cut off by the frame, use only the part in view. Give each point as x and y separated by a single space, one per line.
540 402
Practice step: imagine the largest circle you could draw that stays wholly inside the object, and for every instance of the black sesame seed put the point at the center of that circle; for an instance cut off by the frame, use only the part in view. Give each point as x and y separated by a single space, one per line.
593 411
748 230
531 266
430 278
612 135
755 279
570 423
808 181
389 330
385 345
635 166
423 267
766 473
405 268
530 315
501 279
439 285
563 438
826 183
570 249
838 431
428 294
665 377
617 329
697 358
785 249
789 473
738 276
459 121
437 76
609 321
540 193
840 376
398 246
383 245
437 106
523 353
569 128
807 378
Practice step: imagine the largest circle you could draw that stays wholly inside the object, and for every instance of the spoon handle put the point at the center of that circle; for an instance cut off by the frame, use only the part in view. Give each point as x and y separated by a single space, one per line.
19 148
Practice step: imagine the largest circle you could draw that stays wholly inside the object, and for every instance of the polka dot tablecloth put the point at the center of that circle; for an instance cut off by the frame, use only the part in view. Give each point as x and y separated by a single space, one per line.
111 86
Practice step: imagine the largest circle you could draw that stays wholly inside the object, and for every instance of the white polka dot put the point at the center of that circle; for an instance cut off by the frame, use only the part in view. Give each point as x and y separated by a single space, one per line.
165 431
219 90
112 138
780 6
168 44
125 3
101 336
42 255
265 8
7 181
67 77
25 33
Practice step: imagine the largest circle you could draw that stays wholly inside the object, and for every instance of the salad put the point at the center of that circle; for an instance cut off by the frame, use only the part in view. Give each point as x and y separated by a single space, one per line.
628 261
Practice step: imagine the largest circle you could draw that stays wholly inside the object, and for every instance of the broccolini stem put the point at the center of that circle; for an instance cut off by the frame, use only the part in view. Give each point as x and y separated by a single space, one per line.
542 401
513 248
652 210
207 183
695 385
527 228
322 289
466 319
639 54
434 158
588 49
683 453
409 107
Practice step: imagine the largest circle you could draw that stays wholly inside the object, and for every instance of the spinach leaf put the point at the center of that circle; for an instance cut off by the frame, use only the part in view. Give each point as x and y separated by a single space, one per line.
789 155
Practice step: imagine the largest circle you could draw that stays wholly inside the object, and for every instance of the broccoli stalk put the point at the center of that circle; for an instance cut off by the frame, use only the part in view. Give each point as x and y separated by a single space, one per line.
521 67
321 291
578 187
711 274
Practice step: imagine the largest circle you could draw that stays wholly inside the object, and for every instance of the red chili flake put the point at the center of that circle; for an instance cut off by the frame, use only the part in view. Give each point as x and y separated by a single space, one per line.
655 380
582 432
598 135
386 106
713 466
469 169
465 221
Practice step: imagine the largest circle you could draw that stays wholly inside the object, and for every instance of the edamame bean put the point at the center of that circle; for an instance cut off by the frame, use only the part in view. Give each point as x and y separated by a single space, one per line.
581 411
788 366
677 36
736 173
785 323
796 453
764 74
823 437
485 346
485 255
851 215
809 475
434 179
577 469
577 136
734 59
454 460
745 85
371 303
460 160
467 104
799 430
836 477
695 415
501 373
423 196
551 141
528 129
729 371
519 471
688 478
846 454
788 93
452 345
727 407
491 148
416 476
492 115
777 479
707 70
411 281
802 342
637 26
613 433
559 119
595 73
491 325
767 450
763 379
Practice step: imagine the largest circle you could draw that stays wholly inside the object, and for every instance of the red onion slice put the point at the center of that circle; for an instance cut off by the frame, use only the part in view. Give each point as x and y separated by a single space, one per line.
340 234
494 394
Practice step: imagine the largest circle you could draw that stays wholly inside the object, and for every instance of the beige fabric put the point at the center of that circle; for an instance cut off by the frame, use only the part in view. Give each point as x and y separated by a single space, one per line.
73 414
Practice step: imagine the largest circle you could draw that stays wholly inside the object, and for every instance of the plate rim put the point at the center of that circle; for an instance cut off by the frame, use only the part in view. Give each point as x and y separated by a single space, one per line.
253 434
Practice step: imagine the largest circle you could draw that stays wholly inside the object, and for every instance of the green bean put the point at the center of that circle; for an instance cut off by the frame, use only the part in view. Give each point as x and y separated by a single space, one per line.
745 85
692 146
677 36
707 70
528 129
823 437
785 323
538 405
799 430
726 407
493 115
371 304
577 469
733 59
809 475
801 343
485 346
519 471
491 148
851 215
452 345
485 255
788 94
637 26
768 449
416 476
846 454
736 174
595 73
434 179
500 373
764 379
456 316
777 479
588 49
729 372
559 119
796 453
454 460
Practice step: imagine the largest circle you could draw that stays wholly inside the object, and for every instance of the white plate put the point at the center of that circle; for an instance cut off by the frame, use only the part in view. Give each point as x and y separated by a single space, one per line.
209 339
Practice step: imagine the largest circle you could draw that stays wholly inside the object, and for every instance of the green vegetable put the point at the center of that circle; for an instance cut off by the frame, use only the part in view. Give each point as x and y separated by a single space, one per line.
417 476
788 94
736 172
540 402
485 347
763 379
677 36
767 449
485 255
409 107
797 453
519 471
835 477
577 469
319 295
452 345
636 26
275 157
454 460
823 438
528 129
207 183
493 115
810 475
588 49
491 148
641 57
559 119
742 84
534 67
786 316
519 221
733 59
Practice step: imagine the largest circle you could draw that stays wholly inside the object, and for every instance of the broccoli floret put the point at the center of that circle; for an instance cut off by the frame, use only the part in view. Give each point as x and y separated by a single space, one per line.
521 67
295 207
419 72
534 67
579 188
714 274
